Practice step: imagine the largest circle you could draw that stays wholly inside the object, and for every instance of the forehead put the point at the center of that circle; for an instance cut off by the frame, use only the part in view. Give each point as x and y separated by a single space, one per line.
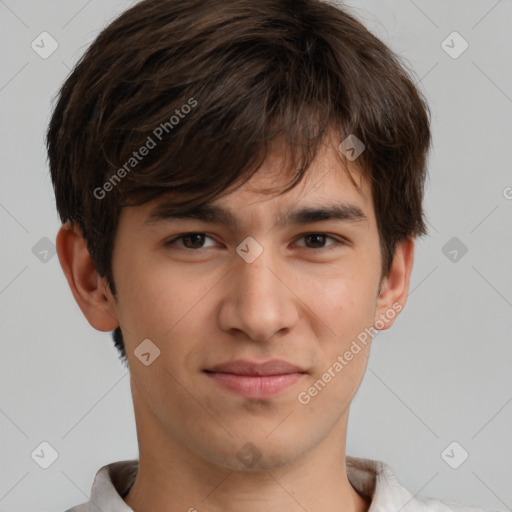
329 160
330 189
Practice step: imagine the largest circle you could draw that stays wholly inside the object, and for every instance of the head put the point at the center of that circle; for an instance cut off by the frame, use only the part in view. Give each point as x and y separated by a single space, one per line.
181 105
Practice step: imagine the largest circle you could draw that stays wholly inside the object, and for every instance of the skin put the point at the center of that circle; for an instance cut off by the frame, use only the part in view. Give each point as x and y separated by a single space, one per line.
301 300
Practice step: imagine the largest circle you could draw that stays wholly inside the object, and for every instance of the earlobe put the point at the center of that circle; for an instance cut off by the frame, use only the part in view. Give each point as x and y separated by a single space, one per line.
395 286
84 281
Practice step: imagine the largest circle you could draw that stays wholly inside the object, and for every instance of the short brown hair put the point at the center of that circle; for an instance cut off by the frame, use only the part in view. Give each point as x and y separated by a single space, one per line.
218 80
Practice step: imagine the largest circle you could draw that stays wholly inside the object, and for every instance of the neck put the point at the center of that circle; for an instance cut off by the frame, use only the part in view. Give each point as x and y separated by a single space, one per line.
173 478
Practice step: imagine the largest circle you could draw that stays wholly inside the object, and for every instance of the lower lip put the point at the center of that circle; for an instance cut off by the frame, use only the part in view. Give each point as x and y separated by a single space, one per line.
255 386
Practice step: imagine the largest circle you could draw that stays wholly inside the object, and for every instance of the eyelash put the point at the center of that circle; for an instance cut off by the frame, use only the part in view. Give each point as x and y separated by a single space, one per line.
337 241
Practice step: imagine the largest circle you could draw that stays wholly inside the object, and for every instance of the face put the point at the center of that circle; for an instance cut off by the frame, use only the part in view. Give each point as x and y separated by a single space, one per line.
259 322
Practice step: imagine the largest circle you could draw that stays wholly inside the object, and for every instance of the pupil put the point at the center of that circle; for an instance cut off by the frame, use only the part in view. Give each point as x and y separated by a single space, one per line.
316 237
191 237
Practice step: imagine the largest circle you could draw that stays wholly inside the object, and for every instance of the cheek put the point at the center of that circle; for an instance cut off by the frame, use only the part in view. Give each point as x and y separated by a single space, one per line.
343 297
164 304
346 309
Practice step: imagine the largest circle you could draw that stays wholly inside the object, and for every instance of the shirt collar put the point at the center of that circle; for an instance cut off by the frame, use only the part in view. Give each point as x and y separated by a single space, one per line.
371 478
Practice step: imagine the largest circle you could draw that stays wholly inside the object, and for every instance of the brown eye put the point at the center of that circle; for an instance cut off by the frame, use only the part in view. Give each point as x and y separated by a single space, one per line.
190 240
318 241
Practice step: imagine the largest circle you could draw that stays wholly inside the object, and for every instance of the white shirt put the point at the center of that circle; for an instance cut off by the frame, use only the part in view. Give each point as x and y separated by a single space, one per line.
371 478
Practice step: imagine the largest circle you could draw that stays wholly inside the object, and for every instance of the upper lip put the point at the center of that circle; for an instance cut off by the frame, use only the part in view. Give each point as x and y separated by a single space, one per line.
242 367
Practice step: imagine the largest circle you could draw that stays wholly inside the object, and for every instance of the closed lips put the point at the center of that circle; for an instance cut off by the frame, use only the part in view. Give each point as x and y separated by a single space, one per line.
249 368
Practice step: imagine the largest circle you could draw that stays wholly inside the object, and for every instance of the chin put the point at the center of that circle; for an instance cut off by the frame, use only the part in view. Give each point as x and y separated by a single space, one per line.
258 456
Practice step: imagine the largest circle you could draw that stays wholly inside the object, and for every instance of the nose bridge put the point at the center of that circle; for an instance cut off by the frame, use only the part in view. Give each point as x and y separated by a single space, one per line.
256 281
258 303
255 276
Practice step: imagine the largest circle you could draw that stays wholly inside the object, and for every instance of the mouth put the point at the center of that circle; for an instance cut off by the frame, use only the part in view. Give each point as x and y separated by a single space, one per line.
255 380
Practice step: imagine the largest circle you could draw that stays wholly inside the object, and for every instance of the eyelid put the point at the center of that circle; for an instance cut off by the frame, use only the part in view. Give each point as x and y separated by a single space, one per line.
172 240
338 239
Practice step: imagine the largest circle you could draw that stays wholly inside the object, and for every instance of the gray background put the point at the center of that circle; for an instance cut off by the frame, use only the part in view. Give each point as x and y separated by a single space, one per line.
441 374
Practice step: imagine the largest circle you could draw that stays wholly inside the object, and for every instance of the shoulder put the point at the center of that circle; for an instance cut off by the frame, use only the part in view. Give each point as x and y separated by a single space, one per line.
84 507
424 504
111 483
376 480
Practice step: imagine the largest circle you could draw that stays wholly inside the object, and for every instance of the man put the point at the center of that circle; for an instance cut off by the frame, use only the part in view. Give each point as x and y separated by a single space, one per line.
240 185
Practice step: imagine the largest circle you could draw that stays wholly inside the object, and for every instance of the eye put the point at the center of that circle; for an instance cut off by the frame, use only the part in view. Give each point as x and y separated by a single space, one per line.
196 240
318 240
190 240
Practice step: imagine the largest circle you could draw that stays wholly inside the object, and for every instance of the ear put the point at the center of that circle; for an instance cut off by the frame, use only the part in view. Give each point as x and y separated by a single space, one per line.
395 286
90 290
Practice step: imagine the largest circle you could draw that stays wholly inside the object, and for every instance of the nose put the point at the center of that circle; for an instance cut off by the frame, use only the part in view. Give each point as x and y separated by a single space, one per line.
258 301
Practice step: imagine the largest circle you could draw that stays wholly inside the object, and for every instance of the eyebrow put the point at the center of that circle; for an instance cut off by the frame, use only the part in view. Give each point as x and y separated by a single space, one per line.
217 215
